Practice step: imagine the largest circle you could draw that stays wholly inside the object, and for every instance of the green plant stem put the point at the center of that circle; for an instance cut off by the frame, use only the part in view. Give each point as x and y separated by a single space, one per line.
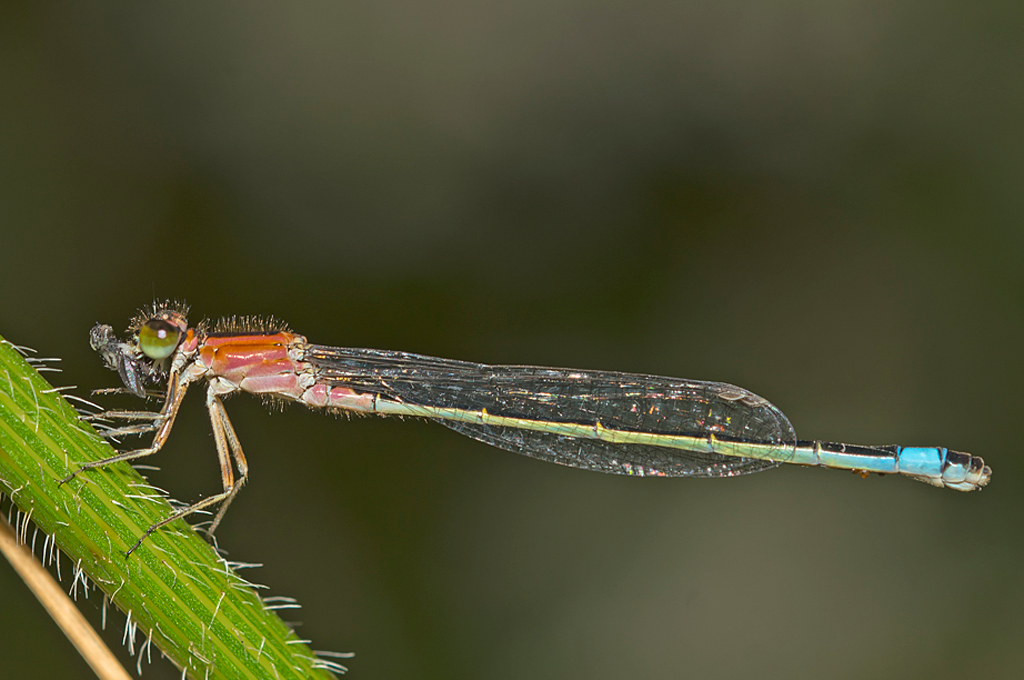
177 592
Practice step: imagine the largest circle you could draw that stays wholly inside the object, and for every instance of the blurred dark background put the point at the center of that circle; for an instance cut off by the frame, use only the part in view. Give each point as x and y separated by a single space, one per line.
821 203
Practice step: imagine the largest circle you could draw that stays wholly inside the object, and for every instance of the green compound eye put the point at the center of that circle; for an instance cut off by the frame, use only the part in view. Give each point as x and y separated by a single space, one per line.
158 338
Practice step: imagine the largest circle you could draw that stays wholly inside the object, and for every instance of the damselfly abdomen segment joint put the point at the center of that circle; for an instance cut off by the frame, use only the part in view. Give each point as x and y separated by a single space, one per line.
622 423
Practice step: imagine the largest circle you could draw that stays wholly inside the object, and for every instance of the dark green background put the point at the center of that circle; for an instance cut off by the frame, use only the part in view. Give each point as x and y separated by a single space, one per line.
818 201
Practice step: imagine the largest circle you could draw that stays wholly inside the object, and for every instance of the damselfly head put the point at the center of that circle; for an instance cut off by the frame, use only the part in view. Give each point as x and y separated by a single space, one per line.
155 335
160 335
158 330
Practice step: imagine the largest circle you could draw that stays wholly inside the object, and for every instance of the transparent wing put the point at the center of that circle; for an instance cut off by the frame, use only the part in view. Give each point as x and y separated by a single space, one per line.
627 402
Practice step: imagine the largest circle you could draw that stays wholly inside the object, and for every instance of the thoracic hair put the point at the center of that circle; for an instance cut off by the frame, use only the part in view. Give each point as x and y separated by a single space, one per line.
248 324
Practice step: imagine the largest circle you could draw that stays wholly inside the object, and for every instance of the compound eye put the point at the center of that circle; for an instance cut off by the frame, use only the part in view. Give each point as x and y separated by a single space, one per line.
158 338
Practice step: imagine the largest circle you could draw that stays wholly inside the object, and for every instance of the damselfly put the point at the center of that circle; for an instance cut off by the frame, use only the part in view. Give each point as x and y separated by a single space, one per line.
622 423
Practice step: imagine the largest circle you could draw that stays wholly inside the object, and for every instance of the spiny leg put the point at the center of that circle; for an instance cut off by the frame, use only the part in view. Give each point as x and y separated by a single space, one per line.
149 394
141 428
123 415
227 446
240 462
152 419
176 389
